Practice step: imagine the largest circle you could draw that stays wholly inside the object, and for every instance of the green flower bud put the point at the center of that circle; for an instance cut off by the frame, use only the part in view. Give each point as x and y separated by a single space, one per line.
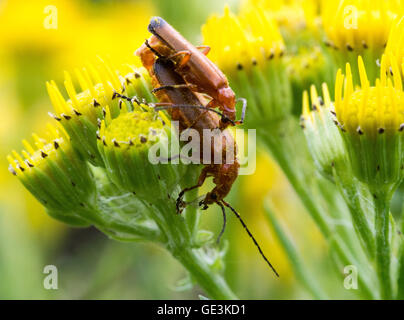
125 145
323 138
100 87
55 175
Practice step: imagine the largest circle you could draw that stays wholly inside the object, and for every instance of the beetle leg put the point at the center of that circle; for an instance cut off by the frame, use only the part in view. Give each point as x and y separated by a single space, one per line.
242 111
180 203
224 222
132 100
173 86
168 105
185 56
204 49
212 104
225 120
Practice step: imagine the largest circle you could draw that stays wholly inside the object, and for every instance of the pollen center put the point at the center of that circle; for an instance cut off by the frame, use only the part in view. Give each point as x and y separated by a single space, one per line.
134 128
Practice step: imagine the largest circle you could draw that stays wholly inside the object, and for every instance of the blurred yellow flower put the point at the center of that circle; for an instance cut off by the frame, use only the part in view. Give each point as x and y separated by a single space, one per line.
31 51
356 25
291 15
78 31
395 45
241 42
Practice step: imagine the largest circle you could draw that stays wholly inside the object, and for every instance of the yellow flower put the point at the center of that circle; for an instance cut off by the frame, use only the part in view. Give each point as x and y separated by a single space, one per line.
79 30
371 119
101 86
23 25
55 175
126 144
370 109
45 147
238 41
356 25
293 16
395 44
249 48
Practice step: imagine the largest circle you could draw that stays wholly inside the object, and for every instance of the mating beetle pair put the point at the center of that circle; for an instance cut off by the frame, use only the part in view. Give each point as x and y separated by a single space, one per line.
183 80
189 86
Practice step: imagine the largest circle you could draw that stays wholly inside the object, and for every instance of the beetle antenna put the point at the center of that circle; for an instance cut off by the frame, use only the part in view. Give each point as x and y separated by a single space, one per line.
153 50
224 222
157 108
251 236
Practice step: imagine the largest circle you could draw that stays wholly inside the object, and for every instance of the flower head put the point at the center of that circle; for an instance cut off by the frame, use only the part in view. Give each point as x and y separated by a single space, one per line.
237 41
371 119
125 144
325 143
101 86
370 110
55 175
357 25
252 60
293 17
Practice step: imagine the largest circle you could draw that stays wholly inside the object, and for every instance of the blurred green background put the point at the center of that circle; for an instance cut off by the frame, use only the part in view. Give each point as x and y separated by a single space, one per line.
90 266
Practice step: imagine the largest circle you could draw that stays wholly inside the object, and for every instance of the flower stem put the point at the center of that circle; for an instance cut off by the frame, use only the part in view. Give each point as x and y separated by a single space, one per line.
299 179
351 192
383 252
295 179
213 284
297 263
400 281
192 214
195 261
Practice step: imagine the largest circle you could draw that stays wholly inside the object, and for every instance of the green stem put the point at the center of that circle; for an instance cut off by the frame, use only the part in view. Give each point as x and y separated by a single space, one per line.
351 193
383 252
213 284
296 180
284 158
296 261
191 212
194 260
400 278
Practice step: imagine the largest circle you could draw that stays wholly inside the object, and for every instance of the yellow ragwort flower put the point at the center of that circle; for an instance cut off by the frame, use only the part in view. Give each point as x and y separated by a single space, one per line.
370 109
395 44
290 15
101 86
371 119
356 25
55 175
126 143
43 148
238 41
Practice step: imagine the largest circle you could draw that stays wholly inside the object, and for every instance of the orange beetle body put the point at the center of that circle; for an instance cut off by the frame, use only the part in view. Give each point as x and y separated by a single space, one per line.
224 174
201 74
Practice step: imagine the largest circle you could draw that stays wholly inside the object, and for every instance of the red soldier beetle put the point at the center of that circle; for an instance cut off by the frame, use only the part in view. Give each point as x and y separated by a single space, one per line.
199 72
184 106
